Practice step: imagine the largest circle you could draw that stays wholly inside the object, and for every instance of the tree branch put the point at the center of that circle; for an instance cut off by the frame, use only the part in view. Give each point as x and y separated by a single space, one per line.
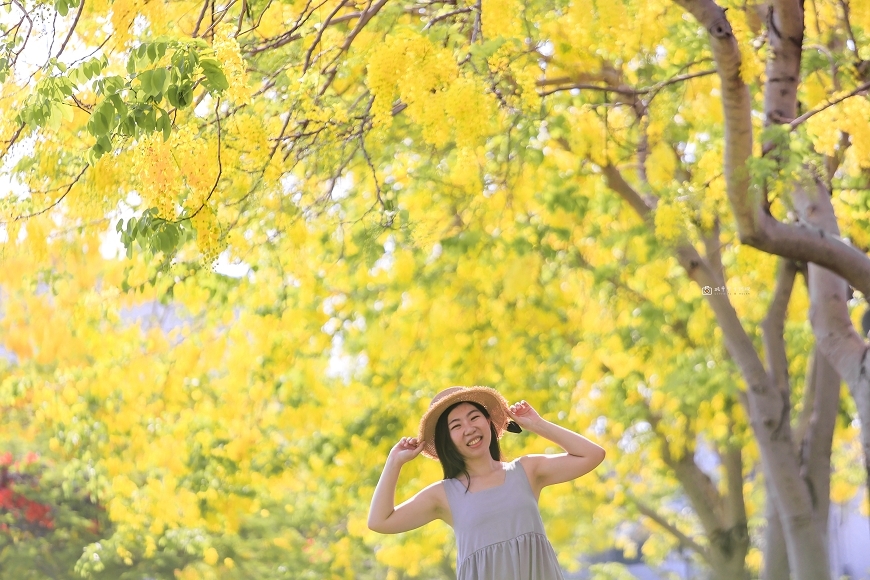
72 28
701 491
684 540
735 505
615 181
737 342
319 35
621 89
802 426
773 325
793 125
804 241
332 67
205 6
785 27
737 109
58 200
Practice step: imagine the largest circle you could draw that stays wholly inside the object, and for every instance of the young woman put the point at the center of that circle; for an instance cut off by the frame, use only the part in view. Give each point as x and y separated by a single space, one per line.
491 505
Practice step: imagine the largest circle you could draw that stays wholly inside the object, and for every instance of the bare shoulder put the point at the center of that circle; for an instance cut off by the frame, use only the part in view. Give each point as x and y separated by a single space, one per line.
437 495
530 463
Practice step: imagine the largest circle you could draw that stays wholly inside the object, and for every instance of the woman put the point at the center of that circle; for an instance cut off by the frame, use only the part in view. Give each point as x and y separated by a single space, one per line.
492 506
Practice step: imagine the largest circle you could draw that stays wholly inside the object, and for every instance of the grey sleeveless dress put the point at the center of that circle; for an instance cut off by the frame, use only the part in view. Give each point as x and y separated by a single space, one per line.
499 531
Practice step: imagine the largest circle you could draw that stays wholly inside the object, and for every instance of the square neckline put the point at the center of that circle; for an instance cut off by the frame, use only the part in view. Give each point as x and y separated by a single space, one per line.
504 468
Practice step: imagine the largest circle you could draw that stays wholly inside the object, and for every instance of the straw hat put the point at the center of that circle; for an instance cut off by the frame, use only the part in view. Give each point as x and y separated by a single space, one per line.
491 400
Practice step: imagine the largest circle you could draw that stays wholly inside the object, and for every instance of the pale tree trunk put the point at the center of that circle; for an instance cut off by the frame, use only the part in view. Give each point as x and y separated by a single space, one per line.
812 239
722 516
792 499
846 350
775 555
815 432
816 445
785 36
808 240
767 403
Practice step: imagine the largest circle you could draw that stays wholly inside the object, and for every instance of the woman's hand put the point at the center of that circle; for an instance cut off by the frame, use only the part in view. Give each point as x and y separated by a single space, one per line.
525 415
405 450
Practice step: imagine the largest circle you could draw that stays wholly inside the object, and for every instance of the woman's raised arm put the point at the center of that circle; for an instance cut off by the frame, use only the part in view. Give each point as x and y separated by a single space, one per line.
387 518
581 455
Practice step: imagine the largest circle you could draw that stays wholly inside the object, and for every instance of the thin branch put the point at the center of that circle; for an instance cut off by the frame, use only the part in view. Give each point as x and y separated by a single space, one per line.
817 110
855 45
620 90
713 249
29 30
12 140
58 200
374 172
317 38
223 13
332 67
220 166
289 35
448 15
93 52
201 16
241 16
684 540
72 28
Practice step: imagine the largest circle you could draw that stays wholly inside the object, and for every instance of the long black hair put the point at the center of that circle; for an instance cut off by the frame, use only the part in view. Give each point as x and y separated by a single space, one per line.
451 460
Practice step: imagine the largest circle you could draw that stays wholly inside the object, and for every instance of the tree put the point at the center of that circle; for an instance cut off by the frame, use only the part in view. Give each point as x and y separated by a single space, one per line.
596 145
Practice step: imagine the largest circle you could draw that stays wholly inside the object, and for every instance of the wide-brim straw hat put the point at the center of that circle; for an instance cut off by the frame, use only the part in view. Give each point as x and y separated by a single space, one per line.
491 400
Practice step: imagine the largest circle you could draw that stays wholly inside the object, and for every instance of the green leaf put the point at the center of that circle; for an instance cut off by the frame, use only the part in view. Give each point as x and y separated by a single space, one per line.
104 143
118 104
172 95
61 7
97 124
147 121
158 81
114 84
145 81
55 117
185 95
165 124
214 75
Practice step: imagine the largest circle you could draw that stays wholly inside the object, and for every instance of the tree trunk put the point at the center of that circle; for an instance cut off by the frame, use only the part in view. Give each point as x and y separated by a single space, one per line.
733 568
817 421
820 437
837 338
775 555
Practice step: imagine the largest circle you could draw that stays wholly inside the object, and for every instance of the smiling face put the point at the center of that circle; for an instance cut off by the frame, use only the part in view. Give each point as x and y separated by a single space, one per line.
451 442
469 430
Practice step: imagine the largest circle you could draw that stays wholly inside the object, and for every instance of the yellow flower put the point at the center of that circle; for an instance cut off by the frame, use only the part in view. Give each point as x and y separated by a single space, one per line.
210 556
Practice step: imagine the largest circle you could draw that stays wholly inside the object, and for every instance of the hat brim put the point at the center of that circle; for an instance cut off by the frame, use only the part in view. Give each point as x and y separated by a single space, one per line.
491 400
